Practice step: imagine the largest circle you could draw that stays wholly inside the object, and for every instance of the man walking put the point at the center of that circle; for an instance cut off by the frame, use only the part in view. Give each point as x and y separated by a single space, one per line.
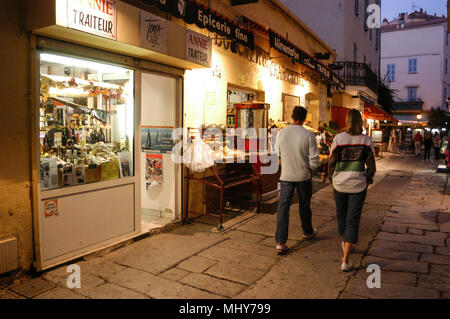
299 158
417 143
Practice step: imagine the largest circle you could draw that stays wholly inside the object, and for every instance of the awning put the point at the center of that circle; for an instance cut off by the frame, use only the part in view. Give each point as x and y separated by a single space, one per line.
374 112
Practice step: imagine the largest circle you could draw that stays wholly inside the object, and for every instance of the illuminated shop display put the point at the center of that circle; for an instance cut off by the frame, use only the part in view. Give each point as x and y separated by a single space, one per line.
86 121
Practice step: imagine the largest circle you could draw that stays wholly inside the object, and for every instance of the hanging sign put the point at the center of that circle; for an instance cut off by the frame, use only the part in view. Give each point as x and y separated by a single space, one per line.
153 32
96 17
193 13
285 47
198 48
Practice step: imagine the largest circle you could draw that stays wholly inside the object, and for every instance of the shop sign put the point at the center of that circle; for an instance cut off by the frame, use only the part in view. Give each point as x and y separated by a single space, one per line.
198 48
97 17
153 32
51 208
285 47
193 13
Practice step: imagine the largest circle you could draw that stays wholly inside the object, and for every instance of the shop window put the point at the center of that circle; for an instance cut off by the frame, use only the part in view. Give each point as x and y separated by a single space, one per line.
86 121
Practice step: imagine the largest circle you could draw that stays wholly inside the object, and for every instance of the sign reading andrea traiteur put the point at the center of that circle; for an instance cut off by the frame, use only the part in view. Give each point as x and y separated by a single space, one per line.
97 17
198 48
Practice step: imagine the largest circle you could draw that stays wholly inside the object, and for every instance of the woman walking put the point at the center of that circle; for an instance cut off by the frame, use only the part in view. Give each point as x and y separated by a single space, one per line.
351 169
437 146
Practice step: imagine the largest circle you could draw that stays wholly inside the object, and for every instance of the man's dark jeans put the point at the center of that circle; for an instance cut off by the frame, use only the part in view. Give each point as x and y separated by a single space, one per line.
348 210
304 192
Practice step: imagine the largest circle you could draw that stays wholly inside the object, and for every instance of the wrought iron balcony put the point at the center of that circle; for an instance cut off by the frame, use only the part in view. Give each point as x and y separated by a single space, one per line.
357 74
408 106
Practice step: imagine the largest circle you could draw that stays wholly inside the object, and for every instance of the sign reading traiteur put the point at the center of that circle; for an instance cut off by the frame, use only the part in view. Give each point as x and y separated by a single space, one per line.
97 17
198 48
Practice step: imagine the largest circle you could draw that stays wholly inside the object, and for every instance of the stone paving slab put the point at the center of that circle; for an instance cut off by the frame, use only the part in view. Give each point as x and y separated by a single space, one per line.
443 251
434 282
427 240
160 253
389 277
6 294
392 254
416 226
156 287
197 264
217 286
111 291
245 236
391 291
402 246
436 259
246 259
257 249
101 267
397 265
394 229
174 274
235 272
61 293
33 287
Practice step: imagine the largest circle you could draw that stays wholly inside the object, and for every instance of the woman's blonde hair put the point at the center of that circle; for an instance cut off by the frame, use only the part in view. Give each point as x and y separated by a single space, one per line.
354 122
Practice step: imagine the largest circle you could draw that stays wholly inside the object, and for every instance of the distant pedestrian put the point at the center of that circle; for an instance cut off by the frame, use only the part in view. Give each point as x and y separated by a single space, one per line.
437 146
299 158
447 153
417 143
427 143
351 168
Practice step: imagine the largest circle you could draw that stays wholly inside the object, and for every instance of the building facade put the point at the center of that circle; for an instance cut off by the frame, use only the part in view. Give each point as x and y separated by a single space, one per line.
343 25
96 100
414 61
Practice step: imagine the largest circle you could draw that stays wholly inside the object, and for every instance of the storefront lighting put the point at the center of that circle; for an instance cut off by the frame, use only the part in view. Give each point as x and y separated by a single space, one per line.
64 60
444 130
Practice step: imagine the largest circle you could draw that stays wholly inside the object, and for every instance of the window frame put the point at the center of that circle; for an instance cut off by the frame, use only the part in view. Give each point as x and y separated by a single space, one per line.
411 89
390 74
412 66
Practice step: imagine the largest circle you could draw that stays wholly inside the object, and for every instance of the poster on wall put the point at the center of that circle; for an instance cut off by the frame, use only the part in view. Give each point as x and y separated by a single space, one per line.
96 17
125 167
49 173
153 32
153 170
157 139
198 48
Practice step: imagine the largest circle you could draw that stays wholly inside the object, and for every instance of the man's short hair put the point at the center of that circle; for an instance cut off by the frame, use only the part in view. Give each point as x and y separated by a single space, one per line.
299 113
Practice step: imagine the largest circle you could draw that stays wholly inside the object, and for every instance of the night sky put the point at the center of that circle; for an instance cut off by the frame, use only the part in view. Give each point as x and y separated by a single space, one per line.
391 8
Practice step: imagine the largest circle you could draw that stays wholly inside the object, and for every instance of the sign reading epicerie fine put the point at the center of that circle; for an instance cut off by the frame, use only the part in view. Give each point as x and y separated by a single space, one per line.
198 48
93 16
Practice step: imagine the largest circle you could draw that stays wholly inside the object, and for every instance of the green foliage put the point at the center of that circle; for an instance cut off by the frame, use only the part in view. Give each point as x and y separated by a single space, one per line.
386 96
437 118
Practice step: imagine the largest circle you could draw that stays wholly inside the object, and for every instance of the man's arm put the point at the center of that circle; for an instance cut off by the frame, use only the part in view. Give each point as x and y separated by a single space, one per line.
313 153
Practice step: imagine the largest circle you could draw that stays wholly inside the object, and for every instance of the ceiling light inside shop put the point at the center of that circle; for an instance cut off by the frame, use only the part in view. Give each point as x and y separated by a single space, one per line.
85 64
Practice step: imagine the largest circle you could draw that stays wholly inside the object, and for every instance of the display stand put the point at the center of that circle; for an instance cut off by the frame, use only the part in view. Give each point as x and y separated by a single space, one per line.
222 183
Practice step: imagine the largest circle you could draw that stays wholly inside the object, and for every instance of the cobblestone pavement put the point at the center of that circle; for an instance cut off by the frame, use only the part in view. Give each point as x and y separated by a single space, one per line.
405 229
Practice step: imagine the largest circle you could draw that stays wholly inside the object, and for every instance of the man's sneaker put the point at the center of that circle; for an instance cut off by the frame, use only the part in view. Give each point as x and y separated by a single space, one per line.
281 249
346 267
312 236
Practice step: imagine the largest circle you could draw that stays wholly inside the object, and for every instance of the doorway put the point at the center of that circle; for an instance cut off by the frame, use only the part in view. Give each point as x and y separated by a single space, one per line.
159 180
312 105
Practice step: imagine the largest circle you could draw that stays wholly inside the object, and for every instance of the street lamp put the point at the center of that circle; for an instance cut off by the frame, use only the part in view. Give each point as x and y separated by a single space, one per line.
419 117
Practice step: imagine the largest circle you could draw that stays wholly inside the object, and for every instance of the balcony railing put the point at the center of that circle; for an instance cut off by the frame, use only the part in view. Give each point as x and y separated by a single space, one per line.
357 74
408 106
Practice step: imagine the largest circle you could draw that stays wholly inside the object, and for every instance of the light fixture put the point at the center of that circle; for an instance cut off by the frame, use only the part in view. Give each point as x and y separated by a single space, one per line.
419 117
85 64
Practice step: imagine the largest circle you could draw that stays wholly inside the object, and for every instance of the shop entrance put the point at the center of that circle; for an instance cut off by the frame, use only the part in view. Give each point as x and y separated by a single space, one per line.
158 177
312 105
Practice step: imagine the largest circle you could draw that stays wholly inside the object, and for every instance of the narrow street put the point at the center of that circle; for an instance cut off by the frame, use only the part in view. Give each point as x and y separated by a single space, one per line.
405 229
